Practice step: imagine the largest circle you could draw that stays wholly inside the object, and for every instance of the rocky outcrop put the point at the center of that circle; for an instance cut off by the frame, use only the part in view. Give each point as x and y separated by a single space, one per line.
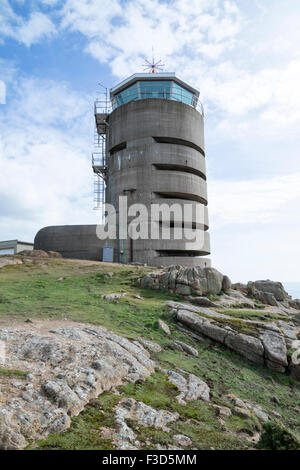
190 387
222 411
40 254
185 281
202 301
115 297
66 367
226 284
144 415
235 298
180 346
9 261
182 440
149 345
268 292
268 344
163 327
275 350
295 303
245 410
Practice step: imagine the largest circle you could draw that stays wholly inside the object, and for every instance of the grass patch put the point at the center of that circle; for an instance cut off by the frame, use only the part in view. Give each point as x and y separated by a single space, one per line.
84 432
13 373
255 315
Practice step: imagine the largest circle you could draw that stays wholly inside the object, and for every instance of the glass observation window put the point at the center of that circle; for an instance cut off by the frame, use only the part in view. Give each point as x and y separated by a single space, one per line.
165 89
129 94
181 94
155 89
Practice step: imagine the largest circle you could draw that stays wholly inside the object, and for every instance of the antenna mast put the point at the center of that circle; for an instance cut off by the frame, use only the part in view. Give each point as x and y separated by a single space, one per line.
153 67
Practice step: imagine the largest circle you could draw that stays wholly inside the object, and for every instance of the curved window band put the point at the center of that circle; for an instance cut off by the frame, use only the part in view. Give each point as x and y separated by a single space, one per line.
174 140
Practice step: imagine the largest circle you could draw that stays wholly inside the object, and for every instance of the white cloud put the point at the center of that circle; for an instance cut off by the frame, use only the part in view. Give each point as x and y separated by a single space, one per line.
38 26
46 176
124 33
255 227
2 92
253 201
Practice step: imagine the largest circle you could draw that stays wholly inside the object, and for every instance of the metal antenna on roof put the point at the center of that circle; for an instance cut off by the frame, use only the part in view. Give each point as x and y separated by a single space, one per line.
153 67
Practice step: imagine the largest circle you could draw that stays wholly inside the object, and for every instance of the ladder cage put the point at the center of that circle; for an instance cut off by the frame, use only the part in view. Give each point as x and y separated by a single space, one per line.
102 108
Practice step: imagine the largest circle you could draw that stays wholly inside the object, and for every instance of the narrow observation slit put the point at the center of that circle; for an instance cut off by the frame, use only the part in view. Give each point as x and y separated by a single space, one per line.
174 140
180 168
186 253
118 147
182 196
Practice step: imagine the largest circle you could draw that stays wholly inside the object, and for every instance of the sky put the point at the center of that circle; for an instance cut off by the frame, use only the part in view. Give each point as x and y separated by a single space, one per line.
243 56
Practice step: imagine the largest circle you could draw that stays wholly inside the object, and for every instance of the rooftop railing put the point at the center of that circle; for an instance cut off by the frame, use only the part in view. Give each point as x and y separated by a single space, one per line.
102 107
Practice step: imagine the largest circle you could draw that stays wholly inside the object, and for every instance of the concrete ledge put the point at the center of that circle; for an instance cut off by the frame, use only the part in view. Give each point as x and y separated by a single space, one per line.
181 261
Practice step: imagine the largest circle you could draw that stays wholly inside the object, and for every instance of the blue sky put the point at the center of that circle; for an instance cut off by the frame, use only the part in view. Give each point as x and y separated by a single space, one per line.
243 56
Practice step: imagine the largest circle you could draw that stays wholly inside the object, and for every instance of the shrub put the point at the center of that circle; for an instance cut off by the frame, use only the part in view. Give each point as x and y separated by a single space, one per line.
276 437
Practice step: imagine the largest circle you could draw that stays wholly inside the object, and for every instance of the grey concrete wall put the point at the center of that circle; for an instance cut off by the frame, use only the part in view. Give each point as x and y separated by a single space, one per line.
72 241
156 117
150 172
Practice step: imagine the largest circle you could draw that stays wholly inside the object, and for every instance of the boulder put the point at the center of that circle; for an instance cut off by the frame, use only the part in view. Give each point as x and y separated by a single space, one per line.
289 331
129 409
54 254
203 301
191 388
214 281
275 350
152 347
150 281
247 346
226 284
182 289
9 261
113 296
235 299
222 411
296 319
275 288
164 327
240 287
34 253
242 412
244 409
180 346
295 303
185 281
182 441
268 298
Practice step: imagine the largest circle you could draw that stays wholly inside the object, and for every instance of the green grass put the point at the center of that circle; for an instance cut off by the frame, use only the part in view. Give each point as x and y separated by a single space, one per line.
33 291
84 433
13 373
255 315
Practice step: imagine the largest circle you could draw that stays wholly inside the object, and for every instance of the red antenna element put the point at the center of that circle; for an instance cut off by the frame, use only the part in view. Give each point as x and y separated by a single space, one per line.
153 67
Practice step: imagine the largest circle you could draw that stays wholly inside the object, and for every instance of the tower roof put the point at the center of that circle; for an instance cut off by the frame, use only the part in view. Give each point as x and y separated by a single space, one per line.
152 77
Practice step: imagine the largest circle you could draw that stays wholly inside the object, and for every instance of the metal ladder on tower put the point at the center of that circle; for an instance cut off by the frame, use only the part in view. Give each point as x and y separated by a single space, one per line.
101 111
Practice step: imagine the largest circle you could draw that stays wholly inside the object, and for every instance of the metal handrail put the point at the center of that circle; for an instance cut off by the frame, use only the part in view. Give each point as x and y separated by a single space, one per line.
102 107
97 159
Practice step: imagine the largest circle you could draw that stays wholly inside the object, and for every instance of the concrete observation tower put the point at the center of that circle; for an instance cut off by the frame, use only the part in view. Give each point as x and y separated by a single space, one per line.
154 154
150 147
